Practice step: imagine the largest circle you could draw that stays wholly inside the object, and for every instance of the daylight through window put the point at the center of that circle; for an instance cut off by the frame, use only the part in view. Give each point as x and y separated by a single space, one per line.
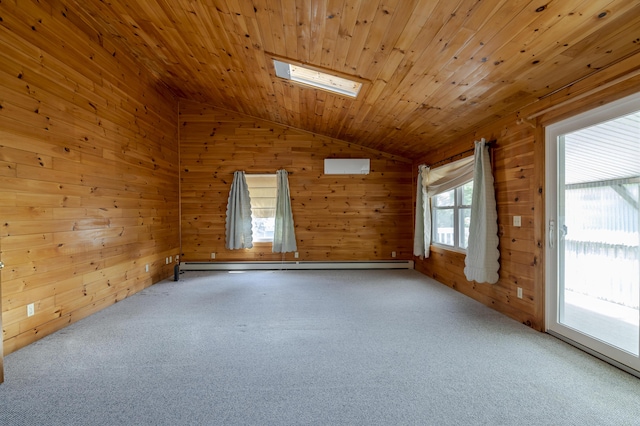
262 190
451 215
317 79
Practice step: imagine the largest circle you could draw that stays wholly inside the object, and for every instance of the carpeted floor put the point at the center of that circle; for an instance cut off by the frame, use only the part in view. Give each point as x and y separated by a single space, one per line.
309 348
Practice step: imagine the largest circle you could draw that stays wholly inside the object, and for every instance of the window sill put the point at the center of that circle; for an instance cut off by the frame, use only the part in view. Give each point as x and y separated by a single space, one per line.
442 247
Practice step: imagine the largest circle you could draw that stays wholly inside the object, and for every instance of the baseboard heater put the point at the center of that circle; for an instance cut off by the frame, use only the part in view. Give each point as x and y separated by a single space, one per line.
293 265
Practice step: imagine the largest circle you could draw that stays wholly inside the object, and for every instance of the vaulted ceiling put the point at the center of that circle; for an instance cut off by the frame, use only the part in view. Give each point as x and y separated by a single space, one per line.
435 69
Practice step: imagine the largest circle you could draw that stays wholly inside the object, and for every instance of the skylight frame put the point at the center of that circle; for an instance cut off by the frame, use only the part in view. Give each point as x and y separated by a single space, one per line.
330 81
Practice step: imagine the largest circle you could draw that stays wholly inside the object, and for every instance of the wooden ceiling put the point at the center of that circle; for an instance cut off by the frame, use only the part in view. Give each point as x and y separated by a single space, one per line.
436 68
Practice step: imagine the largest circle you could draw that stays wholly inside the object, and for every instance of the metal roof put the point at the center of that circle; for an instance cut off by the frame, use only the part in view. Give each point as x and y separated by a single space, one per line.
605 151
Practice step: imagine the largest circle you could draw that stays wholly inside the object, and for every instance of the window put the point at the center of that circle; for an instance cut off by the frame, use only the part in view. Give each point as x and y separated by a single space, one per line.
262 190
451 211
317 79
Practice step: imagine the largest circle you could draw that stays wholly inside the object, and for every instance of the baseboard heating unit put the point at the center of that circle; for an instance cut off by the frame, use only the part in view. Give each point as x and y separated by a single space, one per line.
293 265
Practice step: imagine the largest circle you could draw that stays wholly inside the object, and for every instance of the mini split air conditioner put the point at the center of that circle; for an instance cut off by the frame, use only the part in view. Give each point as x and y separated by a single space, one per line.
346 166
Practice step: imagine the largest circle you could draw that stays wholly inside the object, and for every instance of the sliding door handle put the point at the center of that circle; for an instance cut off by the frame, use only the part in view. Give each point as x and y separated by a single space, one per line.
552 233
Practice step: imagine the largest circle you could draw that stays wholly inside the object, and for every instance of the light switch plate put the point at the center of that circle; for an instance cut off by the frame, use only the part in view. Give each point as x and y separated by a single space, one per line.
517 221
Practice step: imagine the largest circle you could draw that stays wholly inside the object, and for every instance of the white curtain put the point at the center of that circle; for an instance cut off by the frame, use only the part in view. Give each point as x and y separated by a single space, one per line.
482 260
422 232
284 236
238 226
449 176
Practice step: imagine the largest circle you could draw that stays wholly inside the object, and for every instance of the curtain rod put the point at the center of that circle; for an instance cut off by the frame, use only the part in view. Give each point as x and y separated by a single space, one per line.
444 160
263 173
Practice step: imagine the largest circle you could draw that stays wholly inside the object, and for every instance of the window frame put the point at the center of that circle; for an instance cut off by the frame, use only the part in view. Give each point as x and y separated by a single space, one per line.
457 207
364 88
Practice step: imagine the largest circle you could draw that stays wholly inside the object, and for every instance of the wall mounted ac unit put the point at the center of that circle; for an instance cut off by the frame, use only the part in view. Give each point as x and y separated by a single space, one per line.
346 166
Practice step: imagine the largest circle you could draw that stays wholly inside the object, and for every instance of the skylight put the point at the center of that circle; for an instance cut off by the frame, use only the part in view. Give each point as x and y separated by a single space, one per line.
317 79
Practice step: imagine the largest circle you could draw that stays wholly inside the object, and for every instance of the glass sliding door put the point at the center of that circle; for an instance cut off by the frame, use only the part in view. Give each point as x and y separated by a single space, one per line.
593 252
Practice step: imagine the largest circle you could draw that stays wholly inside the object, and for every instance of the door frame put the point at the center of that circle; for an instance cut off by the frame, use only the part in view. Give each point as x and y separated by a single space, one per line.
1 333
588 118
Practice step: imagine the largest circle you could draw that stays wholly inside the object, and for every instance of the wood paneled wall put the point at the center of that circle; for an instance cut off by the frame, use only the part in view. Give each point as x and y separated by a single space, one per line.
88 176
518 165
337 217
516 194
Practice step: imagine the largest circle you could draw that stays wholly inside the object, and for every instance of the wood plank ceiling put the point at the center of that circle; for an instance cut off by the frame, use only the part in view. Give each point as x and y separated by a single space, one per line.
437 68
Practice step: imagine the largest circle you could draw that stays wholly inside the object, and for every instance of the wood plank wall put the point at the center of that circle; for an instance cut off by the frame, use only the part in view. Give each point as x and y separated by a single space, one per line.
337 218
88 176
519 171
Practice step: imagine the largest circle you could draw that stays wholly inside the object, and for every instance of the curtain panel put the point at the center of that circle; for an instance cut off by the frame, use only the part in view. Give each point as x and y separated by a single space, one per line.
482 260
238 225
284 236
422 229
448 177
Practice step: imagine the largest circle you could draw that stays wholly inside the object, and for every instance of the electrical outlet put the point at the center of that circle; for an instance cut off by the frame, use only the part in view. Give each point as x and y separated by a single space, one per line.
31 309
393 254
517 221
213 255
296 255
519 292
146 267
